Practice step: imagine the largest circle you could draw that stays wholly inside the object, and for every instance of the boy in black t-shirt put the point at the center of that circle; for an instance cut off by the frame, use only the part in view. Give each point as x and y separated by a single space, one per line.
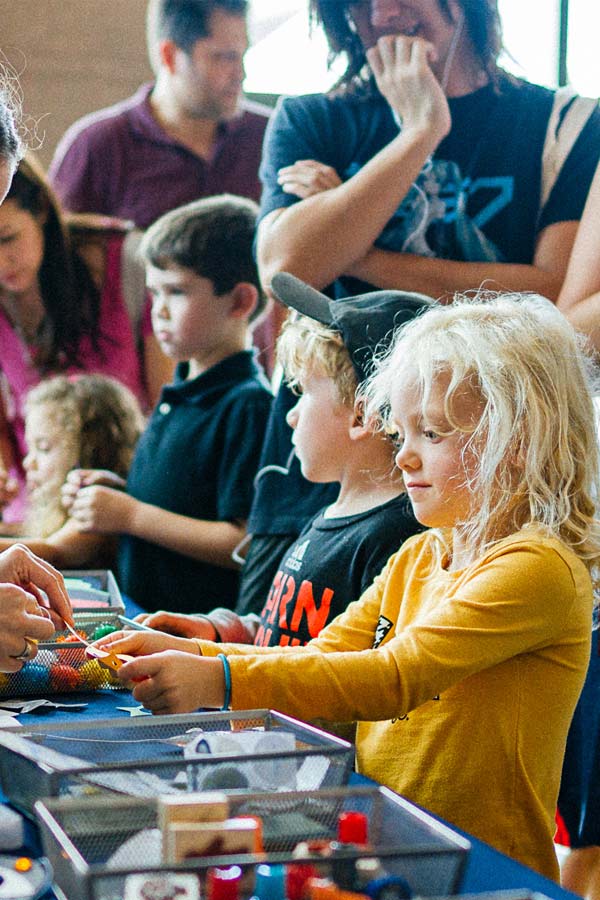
339 553
190 486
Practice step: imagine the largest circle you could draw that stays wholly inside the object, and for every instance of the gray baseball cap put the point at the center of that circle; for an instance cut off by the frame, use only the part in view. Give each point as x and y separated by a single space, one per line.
365 322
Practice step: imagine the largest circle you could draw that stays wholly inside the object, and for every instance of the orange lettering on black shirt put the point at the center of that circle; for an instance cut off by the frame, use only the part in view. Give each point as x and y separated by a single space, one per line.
316 616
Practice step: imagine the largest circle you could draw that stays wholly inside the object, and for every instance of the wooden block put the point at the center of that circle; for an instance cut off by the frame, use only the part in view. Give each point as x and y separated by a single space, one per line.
203 806
189 839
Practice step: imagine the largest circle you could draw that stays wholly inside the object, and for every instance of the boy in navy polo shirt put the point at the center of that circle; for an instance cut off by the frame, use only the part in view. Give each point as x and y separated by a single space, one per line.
325 354
189 490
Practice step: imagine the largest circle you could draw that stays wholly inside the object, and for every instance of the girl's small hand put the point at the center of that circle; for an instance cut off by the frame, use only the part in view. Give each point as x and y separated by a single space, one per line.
171 682
180 624
143 643
307 177
102 509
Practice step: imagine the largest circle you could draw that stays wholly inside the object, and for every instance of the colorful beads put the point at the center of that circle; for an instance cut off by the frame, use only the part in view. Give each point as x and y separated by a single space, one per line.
92 675
102 630
34 677
64 678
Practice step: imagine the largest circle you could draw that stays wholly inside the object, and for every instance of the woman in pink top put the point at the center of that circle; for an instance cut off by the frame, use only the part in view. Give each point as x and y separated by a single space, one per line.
23 576
63 309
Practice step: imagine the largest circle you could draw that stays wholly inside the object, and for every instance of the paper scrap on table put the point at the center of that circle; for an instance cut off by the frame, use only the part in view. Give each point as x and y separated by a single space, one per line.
30 705
135 710
9 720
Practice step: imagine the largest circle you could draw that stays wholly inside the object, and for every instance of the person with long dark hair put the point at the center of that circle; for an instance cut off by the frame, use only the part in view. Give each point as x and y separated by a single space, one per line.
26 616
420 171
63 305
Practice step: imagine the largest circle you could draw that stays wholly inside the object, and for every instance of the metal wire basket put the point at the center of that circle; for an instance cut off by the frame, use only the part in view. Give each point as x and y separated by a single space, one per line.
97 845
148 756
61 666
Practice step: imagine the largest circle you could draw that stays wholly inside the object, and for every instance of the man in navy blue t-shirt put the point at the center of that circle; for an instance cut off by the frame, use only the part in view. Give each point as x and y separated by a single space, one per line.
422 171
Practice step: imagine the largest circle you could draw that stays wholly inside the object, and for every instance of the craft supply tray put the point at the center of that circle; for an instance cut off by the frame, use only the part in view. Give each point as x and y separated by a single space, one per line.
96 844
144 757
61 665
93 590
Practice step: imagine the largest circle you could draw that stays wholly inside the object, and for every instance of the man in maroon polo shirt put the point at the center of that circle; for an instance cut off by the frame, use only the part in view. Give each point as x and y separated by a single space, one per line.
188 135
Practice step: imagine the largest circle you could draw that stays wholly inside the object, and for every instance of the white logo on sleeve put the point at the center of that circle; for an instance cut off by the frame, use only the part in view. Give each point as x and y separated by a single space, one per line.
383 626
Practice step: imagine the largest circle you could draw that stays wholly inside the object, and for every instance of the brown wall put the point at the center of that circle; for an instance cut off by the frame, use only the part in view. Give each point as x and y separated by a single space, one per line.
73 56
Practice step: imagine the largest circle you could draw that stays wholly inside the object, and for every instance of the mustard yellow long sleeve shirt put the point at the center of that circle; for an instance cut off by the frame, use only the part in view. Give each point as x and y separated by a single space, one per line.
463 683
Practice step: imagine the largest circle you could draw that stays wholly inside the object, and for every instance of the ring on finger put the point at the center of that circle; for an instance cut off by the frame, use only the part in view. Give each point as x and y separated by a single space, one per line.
27 652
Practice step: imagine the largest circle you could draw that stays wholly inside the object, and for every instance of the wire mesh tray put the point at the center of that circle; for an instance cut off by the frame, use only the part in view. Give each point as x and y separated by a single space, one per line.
96 845
144 757
61 665
93 590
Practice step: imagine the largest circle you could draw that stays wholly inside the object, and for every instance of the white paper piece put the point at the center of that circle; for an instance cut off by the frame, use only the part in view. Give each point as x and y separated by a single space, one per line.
8 721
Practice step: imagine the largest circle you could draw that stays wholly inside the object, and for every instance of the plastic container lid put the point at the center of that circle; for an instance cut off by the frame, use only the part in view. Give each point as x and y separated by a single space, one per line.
353 828
270 882
224 883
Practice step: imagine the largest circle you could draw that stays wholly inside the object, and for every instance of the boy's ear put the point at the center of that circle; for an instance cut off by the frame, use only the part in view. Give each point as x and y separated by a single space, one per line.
244 298
167 52
358 428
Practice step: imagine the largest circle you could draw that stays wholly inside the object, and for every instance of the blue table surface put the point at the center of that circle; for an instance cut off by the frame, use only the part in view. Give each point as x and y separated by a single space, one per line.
486 868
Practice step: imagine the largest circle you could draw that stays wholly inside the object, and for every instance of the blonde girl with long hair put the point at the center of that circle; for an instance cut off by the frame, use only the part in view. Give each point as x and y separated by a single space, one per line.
463 662
86 420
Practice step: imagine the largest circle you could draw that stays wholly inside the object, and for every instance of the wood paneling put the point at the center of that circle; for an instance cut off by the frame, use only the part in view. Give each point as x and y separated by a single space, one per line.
73 56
